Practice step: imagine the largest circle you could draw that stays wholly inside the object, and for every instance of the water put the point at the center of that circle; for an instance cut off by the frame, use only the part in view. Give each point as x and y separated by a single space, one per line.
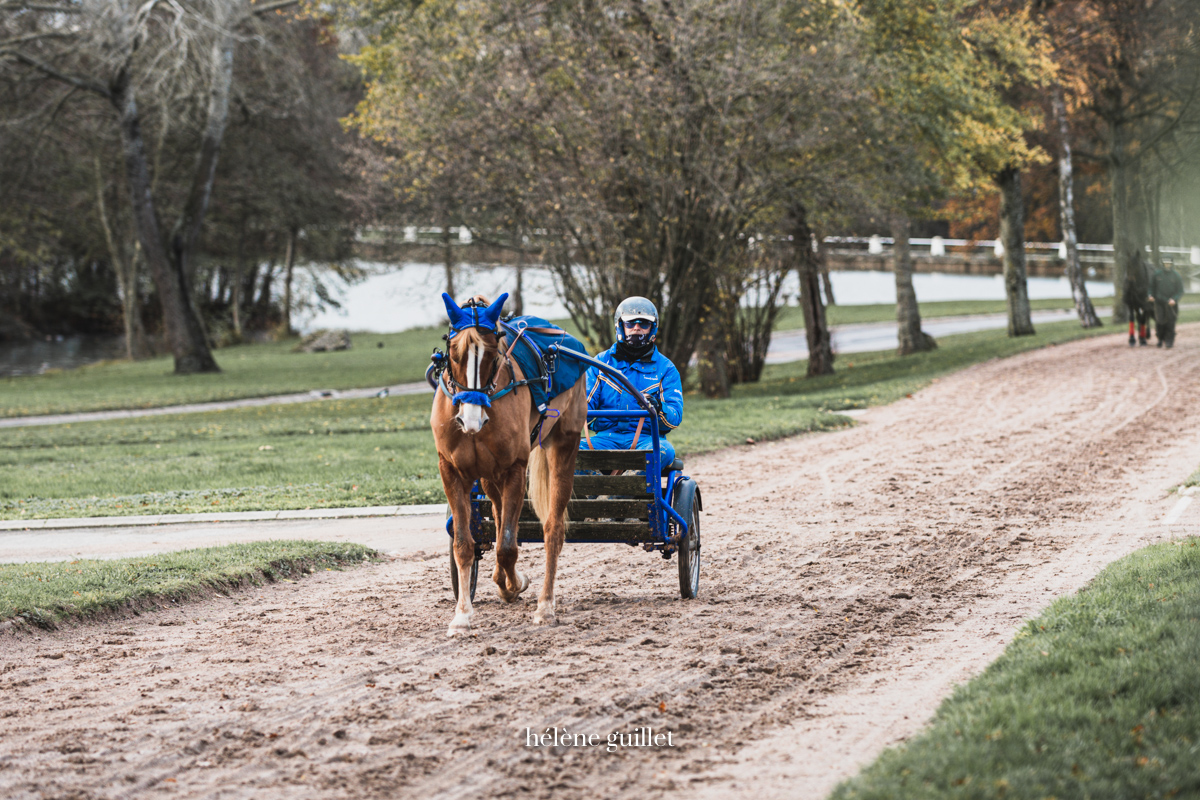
401 297
409 296
35 356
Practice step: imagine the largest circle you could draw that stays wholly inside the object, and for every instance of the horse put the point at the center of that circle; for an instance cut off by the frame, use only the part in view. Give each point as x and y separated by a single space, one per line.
1136 295
487 428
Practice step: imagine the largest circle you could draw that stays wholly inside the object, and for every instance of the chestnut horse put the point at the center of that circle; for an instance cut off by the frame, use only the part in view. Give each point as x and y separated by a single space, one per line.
486 428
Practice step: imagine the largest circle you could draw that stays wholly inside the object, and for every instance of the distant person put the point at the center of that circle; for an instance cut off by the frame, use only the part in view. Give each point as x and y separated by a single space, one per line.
652 373
1166 292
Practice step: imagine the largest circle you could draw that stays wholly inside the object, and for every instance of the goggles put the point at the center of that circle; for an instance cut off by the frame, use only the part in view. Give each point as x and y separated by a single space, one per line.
631 324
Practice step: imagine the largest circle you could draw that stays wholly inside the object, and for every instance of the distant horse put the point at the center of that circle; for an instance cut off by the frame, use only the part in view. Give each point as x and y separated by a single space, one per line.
1137 301
487 428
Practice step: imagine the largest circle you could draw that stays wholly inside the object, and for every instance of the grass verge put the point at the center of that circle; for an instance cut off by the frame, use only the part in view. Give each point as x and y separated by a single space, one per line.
260 370
1096 698
379 451
45 594
1194 479
250 370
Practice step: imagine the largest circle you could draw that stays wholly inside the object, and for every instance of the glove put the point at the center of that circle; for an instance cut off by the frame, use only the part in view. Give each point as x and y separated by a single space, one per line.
655 402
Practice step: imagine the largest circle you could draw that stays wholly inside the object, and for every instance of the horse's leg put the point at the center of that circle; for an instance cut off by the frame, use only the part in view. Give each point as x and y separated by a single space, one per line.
511 492
458 493
560 451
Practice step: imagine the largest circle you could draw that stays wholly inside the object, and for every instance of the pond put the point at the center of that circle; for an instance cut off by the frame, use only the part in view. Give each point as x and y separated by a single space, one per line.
35 356
396 298
399 297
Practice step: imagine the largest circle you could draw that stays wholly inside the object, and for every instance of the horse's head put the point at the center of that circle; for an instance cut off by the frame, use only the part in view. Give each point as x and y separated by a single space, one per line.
474 358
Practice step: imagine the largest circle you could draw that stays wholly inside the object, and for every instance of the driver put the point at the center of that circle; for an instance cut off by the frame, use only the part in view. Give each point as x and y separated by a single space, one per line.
635 355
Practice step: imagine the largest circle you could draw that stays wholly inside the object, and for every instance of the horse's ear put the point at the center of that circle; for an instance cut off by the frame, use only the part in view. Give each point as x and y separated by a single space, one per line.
452 310
493 311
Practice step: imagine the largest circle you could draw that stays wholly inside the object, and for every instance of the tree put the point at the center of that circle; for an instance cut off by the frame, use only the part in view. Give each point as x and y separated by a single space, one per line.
949 64
132 55
1131 70
1066 197
655 144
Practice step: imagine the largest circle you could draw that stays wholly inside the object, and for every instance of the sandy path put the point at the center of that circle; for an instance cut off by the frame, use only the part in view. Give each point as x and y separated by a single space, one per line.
849 579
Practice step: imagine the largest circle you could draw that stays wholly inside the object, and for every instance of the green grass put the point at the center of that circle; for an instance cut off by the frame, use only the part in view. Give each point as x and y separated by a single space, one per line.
335 453
1097 698
252 370
47 593
260 370
379 451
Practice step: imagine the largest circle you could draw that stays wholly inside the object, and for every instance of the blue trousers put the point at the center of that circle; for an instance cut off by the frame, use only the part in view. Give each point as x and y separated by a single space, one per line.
611 440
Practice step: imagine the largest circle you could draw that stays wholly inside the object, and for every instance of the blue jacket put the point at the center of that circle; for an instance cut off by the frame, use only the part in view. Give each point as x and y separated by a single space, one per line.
652 375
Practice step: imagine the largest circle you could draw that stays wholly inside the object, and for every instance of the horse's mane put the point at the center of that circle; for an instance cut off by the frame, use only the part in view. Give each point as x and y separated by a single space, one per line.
465 337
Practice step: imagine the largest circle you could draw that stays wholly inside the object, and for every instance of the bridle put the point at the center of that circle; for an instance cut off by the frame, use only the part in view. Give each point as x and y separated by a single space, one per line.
458 393
439 378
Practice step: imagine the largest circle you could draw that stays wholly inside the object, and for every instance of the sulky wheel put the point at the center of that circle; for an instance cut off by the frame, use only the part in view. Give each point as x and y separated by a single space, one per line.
454 573
687 504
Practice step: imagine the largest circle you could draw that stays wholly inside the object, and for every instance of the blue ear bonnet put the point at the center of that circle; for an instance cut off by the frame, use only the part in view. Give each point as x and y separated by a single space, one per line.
473 316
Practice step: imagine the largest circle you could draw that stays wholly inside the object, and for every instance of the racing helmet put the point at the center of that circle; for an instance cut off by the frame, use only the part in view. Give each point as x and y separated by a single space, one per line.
632 308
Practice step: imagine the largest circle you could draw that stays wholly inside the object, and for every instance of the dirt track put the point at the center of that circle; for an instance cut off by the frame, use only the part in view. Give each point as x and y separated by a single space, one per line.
848 580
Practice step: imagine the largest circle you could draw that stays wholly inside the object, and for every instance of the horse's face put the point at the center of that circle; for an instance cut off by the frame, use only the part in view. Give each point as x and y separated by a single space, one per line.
473 362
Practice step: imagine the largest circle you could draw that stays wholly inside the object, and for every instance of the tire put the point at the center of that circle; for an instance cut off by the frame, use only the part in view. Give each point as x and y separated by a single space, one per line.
689 549
454 574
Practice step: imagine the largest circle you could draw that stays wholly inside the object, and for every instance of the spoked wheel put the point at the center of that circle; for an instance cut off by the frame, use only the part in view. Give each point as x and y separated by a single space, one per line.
454 573
689 557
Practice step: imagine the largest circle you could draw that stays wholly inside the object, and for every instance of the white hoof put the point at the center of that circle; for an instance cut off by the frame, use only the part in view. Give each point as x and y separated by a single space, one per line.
523 580
544 614
460 626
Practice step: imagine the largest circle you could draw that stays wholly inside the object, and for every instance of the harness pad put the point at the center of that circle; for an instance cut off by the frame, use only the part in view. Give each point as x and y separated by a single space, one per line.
530 354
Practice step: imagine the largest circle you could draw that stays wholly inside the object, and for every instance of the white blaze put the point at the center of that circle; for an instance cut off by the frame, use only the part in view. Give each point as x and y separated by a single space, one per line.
473 416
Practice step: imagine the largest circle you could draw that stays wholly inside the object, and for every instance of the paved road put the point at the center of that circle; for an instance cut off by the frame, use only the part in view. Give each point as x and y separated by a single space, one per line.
873 336
395 535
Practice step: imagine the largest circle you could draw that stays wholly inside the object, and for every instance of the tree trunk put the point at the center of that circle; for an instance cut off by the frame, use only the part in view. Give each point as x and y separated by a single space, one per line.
714 365
825 280
908 314
518 296
816 331
289 263
448 259
184 331
264 294
1066 202
239 264
1125 248
131 311
1152 197
1012 236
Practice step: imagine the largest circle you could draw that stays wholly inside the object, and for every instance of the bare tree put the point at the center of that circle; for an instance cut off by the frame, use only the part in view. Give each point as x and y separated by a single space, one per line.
1066 199
1012 238
123 52
908 314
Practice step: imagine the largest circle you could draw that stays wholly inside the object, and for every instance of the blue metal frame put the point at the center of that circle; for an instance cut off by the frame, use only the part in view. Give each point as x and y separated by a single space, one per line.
661 511
661 514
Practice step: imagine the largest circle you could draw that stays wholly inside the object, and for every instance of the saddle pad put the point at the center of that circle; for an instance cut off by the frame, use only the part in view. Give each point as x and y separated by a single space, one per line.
564 371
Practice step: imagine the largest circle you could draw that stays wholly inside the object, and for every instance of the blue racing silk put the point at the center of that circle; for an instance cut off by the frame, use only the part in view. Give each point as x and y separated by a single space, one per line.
652 375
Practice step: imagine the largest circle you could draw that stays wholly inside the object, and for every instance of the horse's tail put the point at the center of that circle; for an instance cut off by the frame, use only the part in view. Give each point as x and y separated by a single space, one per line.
539 486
